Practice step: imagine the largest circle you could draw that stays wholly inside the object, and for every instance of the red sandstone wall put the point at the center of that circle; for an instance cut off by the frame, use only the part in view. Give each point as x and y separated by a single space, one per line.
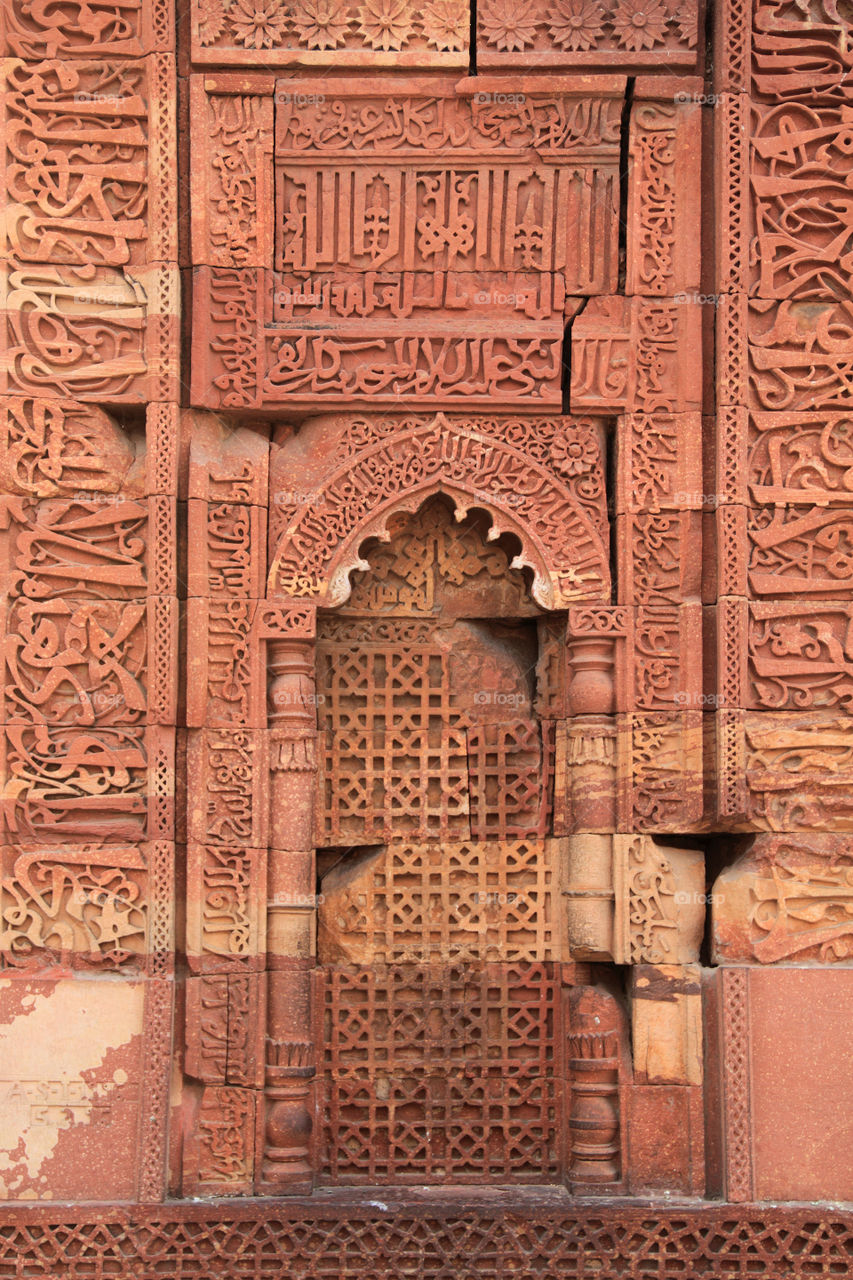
549 334
90 398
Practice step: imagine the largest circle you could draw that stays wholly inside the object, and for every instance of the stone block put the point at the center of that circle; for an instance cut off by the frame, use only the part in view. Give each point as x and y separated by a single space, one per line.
785 771
226 907
228 787
71 32
633 901
71 1098
666 1024
637 356
112 137
800 1051
664 186
785 900
666 1139
618 34
785 1051
659 463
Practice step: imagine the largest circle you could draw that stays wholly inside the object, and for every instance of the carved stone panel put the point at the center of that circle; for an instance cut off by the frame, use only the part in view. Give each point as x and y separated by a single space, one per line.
619 33
480 255
436 903
75 30
786 899
339 33
391 651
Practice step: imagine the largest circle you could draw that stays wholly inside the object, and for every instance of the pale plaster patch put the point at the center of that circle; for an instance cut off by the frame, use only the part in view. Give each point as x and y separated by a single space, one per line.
71 1027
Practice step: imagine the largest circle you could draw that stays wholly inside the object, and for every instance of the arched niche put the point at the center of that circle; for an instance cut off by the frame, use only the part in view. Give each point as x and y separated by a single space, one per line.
554 505
534 490
435 651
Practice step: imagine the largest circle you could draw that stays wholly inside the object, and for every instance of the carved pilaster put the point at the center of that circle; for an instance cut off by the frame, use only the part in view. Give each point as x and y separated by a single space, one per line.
591 759
595 1069
287 1142
287 1166
591 688
293 730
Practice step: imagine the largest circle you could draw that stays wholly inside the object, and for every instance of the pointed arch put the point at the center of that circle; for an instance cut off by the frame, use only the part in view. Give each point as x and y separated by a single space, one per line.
558 518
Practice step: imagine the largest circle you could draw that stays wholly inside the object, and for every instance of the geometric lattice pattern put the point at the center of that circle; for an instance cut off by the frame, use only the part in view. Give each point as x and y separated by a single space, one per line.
401 761
545 1237
392 763
441 1129
511 770
500 1017
424 903
439 1074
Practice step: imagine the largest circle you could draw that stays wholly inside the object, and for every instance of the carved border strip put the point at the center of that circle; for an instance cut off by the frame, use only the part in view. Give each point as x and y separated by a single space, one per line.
154 1109
543 1235
162 159
732 44
736 1084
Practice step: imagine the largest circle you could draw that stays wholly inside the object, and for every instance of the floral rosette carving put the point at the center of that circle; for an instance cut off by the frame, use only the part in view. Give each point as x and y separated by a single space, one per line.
575 452
576 24
586 26
258 24
385 24
445 24
510 26
322 26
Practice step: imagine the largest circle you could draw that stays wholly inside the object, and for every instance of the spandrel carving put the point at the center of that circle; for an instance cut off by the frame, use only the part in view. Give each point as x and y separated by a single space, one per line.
434 566
559 518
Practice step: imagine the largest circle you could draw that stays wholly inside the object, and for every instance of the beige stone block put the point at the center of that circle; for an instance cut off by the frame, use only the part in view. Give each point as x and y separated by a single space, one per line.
634 901
70 1087
666 1024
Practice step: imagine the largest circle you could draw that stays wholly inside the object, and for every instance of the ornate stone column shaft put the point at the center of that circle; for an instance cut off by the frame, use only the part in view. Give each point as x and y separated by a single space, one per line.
287 1166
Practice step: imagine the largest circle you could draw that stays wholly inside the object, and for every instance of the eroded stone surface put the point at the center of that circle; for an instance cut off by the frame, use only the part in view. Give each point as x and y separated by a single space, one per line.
70 1102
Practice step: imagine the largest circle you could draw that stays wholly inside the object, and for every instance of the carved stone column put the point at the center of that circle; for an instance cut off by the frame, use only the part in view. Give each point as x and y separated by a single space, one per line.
589 896
591 687
592 770
287 1167
596 1053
